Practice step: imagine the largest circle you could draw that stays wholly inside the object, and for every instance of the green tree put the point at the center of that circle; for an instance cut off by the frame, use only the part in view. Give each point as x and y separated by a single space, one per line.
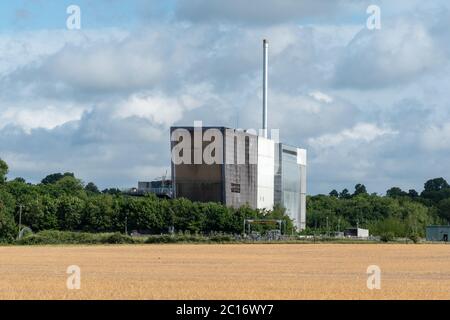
436 184
360 189
70 211
334 193
8 228
413 193
99 213
55 177
112 191
91 187
435 190
69 185
395 192
3 171
444 209
344 194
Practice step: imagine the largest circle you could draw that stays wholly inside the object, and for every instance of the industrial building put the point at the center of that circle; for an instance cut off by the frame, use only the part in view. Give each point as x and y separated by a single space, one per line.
356 233
239 167
438 233
161 188
252 171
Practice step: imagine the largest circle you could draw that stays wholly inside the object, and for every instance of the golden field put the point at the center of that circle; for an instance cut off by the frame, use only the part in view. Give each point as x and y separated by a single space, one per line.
241 271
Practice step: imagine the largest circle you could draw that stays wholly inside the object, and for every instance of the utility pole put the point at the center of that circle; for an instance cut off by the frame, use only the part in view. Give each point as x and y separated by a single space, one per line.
20 219
328 230
126 224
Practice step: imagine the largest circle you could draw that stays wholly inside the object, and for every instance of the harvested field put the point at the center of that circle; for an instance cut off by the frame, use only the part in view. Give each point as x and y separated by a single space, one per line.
260 271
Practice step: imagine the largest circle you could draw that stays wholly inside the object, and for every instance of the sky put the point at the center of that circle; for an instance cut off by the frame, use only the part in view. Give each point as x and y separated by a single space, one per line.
371 106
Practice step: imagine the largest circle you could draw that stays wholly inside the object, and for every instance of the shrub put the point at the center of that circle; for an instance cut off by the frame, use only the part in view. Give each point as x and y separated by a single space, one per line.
414 238
221 238
65 237
387 236
118 238
59 237
162 239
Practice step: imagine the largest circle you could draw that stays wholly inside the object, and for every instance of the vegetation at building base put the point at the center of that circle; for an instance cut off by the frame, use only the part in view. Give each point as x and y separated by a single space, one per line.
62 203
61 209
397 214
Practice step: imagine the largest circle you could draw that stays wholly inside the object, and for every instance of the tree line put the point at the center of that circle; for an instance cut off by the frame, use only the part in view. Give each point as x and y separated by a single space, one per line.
397 214
62 202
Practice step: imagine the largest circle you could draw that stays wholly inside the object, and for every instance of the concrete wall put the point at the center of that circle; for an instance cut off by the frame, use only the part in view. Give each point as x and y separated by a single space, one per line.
197 182
265 175
232 182
240 170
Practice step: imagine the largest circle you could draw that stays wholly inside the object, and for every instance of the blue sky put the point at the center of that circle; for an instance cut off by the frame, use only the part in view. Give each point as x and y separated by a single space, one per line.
51 14
371 106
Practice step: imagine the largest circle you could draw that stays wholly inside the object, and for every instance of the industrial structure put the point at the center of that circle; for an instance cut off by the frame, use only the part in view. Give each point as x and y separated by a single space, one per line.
161 188
356 233
240 167
438 233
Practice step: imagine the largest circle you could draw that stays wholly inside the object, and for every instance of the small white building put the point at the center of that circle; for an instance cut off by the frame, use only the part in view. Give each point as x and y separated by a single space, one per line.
356 233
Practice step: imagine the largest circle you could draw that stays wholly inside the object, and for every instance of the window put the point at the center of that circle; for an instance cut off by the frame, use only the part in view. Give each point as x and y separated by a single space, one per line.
235 188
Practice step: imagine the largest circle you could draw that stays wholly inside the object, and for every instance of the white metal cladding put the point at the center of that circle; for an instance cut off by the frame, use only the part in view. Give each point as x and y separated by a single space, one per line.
363 233
301 156
290 182
302 160
265 174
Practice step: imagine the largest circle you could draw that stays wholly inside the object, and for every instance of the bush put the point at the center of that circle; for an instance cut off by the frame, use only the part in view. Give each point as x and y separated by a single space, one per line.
221 238
414 238
59 237
187 238
118 238
162 239
64 237
387 236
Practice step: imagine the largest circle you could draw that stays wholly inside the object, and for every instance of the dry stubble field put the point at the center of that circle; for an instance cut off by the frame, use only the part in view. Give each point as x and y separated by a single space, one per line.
260 271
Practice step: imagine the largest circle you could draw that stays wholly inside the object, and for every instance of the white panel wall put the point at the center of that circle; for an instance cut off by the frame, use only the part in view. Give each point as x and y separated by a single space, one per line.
301 160
265 175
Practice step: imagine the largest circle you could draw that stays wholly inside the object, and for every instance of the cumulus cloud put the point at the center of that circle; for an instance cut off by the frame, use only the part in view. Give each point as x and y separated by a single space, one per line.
436 138
362 132
401 51
371 107
47 117
321 97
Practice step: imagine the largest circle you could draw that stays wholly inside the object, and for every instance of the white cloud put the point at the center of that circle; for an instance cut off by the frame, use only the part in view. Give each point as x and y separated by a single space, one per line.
402 50
361 132
436 138
366 104
321 97
156 108
47 117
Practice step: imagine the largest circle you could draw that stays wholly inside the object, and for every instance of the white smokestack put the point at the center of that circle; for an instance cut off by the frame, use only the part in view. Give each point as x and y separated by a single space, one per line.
265 84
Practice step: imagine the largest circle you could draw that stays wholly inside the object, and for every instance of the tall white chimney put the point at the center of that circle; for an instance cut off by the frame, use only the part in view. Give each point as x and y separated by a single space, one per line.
265 84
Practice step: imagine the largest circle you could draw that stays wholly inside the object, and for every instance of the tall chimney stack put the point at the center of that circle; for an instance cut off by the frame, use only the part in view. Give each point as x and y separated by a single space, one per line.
265 84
